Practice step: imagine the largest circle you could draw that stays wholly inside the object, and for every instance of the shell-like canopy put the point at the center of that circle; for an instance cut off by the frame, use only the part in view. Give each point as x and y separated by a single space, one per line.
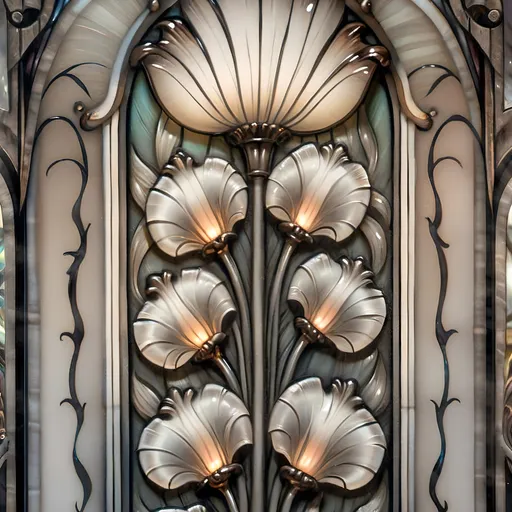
330 435
181 315
285 62
339 299
203 434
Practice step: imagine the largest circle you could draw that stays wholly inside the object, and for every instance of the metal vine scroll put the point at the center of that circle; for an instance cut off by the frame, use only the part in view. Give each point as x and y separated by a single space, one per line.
261 236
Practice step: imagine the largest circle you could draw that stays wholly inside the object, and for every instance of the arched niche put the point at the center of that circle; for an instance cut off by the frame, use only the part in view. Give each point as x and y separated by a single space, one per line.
437 198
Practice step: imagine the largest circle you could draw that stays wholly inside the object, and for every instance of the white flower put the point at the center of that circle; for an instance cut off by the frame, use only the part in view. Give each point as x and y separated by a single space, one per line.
195 439
195 208
184 318
327 437
339 302
319 190
283 62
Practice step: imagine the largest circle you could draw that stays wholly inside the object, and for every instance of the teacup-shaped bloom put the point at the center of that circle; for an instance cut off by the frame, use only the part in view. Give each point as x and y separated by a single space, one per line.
195 207
318 192
339 302
195 438
184 318
245 62
327 437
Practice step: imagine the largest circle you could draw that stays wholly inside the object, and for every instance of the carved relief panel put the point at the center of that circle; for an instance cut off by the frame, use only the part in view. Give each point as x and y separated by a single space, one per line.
252 248
261 184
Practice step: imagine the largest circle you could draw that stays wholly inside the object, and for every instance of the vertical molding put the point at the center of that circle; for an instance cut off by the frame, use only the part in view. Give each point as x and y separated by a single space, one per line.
112 318
407 307
500 274
8 216
445 295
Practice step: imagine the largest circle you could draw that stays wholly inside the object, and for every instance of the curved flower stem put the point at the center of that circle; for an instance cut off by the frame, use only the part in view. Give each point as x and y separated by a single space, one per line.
241 297
232 506
242 492
228 373
291 492
275 495
273 314
292 362
241 362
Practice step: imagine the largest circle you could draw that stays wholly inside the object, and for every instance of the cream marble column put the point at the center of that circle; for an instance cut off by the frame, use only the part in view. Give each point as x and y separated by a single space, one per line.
422 38
455 185
89 31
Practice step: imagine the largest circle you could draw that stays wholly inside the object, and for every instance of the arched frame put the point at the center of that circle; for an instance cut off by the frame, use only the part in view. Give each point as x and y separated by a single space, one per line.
75 124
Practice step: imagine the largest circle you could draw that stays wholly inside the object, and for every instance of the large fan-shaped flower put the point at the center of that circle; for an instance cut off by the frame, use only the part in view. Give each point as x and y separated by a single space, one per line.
195 208
281 62
183 318
327 437
195 438
339 302
320 191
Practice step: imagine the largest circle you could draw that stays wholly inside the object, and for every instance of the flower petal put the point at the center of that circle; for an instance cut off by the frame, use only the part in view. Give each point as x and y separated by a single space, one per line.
336 100
182 315
311 25
213 33
320 190
340 301
195 204
181 96
333 79
201 435
283 62
330 436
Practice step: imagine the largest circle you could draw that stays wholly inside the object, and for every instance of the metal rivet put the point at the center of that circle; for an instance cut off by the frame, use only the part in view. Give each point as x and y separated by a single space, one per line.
79 106
17 17
154 5
433 113
494 15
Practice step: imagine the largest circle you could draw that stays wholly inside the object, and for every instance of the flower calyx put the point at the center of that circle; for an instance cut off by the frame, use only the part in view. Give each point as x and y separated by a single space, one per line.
309 331
258 132
219 244
295 232
210 349
299 479
219 479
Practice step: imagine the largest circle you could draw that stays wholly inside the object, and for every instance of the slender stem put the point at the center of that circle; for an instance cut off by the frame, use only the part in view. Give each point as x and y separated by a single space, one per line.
258 319
228 373
242 493
276 494
288 499
241 362
292 362
241 298
273 315
232 506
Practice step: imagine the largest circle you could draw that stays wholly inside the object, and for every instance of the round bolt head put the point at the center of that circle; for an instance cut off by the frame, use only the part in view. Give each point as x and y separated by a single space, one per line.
494 15
17 17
